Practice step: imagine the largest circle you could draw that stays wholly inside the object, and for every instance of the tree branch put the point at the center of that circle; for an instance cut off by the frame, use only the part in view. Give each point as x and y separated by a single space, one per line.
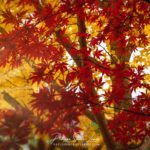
68 46
18 107
99 117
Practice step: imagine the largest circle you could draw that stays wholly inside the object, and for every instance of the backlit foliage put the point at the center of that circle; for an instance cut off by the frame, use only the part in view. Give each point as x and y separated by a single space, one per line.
67 62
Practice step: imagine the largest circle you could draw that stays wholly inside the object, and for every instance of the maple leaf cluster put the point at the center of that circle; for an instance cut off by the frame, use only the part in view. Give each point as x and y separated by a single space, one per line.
15 129
69 90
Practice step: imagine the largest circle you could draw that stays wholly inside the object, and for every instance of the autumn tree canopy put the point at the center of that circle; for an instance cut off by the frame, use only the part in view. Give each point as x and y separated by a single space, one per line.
80 58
